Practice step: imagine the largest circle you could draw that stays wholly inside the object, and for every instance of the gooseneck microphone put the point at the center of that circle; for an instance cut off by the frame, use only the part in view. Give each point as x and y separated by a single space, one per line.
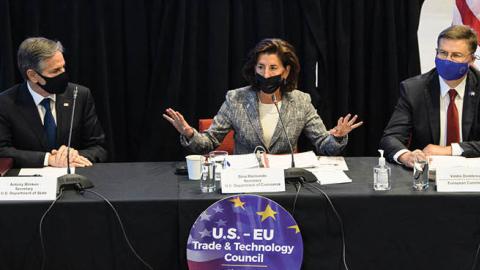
69 180
75 93
293 174
274 99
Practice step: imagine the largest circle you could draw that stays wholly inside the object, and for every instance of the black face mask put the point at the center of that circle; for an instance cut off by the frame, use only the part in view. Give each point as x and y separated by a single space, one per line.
268 86
55 85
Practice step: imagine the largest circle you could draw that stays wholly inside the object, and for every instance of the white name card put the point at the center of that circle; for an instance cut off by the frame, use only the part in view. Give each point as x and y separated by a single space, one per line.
253 180
28 188
458 179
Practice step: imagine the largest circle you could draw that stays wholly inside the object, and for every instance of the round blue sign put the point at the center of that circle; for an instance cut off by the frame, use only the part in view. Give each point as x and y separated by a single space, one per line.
245 232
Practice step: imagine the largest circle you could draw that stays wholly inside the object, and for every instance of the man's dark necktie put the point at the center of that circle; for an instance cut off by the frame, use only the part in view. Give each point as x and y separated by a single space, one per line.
49 124
453 128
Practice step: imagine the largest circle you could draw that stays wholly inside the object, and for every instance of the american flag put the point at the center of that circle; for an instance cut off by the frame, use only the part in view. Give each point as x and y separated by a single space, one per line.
467 12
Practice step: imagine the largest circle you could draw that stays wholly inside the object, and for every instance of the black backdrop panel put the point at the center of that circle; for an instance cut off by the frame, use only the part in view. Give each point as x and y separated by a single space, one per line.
141 57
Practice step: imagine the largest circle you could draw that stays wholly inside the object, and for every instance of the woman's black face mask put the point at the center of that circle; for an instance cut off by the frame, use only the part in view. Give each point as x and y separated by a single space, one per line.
268 85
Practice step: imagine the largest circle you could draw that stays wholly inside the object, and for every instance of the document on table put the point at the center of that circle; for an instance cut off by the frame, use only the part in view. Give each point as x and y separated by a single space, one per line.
302 160
326 177
49 172
244 161
332 163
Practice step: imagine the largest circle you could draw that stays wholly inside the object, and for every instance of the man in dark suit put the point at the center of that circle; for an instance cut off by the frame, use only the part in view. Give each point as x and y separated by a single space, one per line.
35 115
438 112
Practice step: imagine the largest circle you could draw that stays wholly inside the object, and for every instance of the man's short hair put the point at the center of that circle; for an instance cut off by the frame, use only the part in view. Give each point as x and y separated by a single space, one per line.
460 32
33 51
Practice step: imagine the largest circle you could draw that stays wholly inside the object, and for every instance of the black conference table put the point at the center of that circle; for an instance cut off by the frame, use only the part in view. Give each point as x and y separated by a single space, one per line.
398 229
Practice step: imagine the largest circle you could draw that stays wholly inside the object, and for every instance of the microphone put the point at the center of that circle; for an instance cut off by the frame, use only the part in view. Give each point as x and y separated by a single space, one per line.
293 174
69 180
274 99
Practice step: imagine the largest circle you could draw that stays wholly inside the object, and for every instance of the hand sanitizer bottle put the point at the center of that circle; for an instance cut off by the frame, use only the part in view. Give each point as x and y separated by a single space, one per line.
381 174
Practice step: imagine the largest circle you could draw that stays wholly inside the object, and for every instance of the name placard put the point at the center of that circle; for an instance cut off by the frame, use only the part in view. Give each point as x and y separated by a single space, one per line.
28 188
458 179
253 180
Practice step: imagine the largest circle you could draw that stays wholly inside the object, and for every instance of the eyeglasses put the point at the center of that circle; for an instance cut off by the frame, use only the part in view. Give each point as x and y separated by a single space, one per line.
455 56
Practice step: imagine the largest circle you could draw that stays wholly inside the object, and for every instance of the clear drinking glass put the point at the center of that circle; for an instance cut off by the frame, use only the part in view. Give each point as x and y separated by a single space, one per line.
420 173
207 181
220 160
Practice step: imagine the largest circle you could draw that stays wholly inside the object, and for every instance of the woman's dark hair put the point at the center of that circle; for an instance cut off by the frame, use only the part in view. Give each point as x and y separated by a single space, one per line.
286 54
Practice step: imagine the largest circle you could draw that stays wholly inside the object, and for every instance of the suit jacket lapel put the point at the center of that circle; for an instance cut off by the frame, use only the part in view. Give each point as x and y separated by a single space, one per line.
432 98
29 112
470 103
63 106
251 107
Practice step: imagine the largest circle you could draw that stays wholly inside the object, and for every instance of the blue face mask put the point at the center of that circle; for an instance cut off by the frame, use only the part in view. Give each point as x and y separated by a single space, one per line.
449 70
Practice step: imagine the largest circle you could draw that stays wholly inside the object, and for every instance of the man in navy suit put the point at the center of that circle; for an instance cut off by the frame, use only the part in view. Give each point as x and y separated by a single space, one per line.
438 112
35 115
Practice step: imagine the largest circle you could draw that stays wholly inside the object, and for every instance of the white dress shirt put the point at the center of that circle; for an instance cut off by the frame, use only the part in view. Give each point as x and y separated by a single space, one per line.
444 102
268 120
37 98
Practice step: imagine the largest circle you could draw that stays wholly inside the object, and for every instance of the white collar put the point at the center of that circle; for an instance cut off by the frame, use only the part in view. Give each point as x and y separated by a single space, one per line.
444 88
37 98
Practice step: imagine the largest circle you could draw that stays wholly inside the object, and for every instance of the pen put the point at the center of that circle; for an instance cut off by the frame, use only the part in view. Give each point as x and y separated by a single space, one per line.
28 175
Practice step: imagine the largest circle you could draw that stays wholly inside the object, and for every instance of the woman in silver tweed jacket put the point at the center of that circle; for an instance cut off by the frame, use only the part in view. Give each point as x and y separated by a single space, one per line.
272 70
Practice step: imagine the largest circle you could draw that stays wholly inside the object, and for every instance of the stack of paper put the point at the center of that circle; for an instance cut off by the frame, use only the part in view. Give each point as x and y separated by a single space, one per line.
302 160
332 163
325 176
242 161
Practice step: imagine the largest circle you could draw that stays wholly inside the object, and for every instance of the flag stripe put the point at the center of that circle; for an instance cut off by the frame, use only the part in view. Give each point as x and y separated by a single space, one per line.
474 6
468 18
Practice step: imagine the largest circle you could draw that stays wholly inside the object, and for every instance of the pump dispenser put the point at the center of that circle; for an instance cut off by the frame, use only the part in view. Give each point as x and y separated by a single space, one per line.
381 174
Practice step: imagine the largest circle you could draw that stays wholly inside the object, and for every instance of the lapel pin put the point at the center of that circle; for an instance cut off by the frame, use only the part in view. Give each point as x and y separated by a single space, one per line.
472 93
65 104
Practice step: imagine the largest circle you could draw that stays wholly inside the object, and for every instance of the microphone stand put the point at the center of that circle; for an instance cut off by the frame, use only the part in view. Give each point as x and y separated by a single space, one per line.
293 174
69 180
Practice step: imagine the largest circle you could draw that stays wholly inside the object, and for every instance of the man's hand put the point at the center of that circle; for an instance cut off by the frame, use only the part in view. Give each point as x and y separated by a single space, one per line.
58 158
61 155
408 158
80 161
433 149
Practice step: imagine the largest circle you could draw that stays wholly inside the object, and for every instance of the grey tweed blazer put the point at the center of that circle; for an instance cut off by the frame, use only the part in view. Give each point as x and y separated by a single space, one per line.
240 113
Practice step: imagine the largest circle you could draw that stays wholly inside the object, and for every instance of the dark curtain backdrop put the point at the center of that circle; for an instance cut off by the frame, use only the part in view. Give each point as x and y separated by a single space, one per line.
140 57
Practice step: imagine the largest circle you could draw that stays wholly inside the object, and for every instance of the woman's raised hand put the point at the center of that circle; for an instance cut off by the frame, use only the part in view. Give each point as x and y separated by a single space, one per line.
345 125
176 119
